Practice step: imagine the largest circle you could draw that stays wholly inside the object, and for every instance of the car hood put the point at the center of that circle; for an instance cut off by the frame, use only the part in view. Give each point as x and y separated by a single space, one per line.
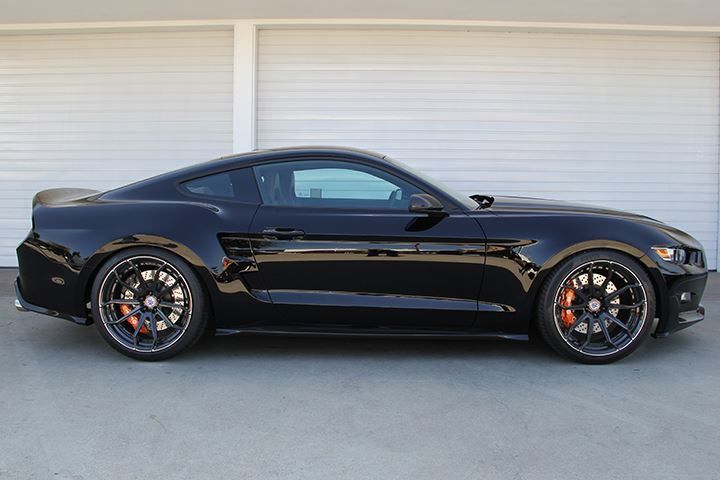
539 205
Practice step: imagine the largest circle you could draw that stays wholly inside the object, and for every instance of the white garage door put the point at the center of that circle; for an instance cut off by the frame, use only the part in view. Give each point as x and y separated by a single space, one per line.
100 110
628 122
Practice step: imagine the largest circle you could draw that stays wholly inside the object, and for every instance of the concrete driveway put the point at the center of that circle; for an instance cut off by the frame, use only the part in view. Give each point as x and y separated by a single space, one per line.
251 407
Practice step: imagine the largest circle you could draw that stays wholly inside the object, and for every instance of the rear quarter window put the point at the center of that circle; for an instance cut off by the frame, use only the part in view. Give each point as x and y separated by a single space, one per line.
237 185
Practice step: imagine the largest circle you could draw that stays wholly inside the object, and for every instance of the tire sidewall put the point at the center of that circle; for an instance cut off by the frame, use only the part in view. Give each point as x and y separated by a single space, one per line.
545 315
198 319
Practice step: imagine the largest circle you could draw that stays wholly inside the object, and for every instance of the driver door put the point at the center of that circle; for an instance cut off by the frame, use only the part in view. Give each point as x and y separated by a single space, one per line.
336 245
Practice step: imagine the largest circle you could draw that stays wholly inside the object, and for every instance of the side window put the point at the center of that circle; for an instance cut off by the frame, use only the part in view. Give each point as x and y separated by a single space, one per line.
340 183
218 185
332 184
238 185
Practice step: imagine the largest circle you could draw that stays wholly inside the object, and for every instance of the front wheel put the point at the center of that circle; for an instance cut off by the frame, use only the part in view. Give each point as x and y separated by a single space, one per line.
596 307
148 304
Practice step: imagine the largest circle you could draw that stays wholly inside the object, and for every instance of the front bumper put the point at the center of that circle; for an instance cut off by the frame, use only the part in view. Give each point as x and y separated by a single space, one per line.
682 314
22 305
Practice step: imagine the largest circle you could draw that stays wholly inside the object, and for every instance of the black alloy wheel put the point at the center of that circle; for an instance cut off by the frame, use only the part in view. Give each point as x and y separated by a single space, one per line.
596 307
148 304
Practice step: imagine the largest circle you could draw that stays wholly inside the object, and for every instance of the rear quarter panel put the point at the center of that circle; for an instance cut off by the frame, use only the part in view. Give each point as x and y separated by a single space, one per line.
70 242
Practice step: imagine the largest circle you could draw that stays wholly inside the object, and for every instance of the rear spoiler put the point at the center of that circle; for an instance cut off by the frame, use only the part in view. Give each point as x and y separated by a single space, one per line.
59 196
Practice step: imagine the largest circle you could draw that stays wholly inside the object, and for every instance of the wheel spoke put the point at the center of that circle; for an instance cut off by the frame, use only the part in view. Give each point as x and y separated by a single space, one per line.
125 285
139 326
620 291
141 280
577 322
175 306
609 275
132 312
626 307
591 324
154 331
120 301
605 332
615 320
167 320
156 274
591 277
167 289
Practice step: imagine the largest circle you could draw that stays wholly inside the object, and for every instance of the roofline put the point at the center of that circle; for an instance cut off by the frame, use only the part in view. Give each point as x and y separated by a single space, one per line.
242 160
303 150
170 180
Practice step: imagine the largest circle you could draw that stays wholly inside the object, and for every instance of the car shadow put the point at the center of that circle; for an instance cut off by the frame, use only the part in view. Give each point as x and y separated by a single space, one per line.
386 348
63 341
50 335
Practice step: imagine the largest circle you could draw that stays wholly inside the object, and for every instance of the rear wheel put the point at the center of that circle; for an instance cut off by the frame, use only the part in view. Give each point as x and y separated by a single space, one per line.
148 304
596 307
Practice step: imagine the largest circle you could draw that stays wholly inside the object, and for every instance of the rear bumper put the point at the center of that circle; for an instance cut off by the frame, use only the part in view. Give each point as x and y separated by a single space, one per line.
24 306
19 307
682 314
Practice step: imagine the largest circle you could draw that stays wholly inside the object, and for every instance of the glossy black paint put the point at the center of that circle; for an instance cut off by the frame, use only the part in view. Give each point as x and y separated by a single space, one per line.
396 261
462 271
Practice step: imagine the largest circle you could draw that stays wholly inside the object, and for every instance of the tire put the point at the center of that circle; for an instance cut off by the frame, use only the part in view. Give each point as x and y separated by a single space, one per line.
569 307
148 304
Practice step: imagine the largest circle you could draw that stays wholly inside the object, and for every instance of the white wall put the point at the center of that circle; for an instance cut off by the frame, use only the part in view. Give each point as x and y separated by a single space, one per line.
619 121
99 110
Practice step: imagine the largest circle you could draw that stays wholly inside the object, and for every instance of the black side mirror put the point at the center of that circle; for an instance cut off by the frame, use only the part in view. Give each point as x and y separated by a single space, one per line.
425 203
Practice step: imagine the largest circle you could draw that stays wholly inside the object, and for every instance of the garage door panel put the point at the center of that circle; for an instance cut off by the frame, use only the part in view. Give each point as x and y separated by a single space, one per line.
430 37
123 79
278 83
696 143
375 128
514 113
488 55
680 84
430 97
103 109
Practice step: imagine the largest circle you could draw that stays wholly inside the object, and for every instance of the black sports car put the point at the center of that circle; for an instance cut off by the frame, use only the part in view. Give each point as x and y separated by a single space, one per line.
346 242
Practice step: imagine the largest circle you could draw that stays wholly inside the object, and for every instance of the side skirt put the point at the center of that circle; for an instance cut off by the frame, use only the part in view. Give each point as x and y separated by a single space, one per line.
369 334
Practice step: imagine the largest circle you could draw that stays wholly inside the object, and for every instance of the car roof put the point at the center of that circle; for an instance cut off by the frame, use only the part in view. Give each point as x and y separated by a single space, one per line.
282 154
302 151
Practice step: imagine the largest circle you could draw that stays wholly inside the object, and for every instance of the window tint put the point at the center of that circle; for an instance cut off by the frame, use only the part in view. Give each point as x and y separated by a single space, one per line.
334 184
219 185
338 183
238 185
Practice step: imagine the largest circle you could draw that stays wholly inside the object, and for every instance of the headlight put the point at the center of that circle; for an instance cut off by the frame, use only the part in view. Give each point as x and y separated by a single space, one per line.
671 254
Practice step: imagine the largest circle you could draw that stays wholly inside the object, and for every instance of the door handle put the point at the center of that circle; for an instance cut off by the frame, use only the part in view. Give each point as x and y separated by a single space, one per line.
282 233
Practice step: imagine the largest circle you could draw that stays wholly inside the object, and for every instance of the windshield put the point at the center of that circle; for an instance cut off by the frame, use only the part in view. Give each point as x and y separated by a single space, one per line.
463 200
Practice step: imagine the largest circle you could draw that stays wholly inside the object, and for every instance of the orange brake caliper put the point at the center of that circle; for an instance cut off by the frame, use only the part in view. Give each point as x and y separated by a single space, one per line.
125 309
567 316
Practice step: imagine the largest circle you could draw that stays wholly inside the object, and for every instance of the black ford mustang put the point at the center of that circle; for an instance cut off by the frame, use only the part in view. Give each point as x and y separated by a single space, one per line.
339 241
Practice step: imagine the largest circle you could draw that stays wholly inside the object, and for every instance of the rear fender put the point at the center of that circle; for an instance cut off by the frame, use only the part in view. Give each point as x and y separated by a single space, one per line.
212 267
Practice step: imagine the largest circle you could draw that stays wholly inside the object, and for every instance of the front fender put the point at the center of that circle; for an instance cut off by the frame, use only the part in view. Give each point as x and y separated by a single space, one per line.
524 248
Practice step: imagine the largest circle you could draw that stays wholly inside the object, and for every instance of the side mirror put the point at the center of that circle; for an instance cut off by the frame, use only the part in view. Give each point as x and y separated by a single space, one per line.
425 203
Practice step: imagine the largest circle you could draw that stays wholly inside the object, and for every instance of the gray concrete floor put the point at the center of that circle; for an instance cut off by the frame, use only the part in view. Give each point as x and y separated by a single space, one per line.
251 407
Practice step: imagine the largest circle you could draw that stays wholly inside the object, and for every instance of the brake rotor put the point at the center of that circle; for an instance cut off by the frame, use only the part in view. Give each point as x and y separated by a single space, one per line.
568 296
174 295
